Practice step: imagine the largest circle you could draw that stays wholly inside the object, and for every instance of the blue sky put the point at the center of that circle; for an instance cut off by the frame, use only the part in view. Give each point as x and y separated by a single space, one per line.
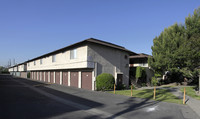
30 28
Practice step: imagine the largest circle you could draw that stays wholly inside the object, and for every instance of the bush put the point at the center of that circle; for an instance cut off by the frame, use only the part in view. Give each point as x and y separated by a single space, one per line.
140 75
154 81
105 81
120 87
144 85
133 87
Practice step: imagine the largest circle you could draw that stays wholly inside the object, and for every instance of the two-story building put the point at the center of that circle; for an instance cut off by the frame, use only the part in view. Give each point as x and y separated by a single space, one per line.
11 70
22 69
142 61
79 64
19 70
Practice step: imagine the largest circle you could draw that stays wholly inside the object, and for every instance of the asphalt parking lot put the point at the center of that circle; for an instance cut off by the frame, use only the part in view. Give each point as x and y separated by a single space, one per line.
22 99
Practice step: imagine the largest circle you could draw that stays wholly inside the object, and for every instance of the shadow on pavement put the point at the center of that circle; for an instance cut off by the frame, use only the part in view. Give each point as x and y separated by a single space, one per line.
20 102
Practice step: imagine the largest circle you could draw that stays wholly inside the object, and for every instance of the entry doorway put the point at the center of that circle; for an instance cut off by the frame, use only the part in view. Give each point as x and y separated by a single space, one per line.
119 79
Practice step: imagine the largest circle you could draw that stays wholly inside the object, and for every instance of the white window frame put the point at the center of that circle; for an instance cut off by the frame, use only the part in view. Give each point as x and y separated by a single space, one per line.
53 58
41 61
74 55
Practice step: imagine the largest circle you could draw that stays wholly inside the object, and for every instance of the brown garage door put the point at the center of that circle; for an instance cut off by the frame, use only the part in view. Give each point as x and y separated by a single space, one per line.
46 76
33 75
57 77
24 74
86 80
52 77
74 79
39 76
36 75
65 78
42 73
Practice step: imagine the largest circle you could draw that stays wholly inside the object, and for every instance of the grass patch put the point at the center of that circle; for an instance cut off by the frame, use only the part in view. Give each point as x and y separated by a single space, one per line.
191 92
161 95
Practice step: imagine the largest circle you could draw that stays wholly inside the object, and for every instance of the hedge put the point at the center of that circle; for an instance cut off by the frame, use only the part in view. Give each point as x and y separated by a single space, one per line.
105 81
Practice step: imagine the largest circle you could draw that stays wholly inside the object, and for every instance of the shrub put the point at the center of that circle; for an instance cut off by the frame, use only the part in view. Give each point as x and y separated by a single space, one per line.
105 81
143 85
154 81
140 75
120 87
133 87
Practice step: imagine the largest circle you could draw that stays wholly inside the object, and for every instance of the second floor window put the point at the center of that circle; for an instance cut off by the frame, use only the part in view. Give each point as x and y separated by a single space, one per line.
54 58
34 63
73 54
40 61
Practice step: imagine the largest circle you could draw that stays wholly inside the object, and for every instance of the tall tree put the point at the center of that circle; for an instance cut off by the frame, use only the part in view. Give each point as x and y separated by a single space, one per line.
178 47
167 49
192 23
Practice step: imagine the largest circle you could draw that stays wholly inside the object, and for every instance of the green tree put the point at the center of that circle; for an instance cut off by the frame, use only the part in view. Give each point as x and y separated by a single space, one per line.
192 45
168 49
177 48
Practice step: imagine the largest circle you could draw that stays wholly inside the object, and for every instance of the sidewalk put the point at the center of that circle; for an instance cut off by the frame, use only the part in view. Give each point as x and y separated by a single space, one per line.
194 104
191 102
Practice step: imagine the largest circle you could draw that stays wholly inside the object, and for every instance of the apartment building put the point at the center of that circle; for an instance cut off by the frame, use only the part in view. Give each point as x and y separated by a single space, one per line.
79 64
19 70
142 61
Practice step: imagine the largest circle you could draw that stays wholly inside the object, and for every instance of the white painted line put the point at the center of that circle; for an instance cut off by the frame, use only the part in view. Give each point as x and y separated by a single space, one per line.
100 113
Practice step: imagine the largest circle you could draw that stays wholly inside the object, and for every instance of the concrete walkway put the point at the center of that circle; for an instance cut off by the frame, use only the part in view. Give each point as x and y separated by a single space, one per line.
194 104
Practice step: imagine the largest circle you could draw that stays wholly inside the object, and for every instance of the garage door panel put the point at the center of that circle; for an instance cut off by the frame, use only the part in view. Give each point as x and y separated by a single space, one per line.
74 79
46 77
39 76
65 78
36 75
57 77
52 77
42 76
86 80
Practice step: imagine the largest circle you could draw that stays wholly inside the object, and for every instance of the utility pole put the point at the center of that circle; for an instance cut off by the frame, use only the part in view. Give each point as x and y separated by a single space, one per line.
13 62
10 63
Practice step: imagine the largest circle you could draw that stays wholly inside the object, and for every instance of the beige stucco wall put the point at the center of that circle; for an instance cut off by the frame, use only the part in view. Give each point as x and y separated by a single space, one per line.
63 61
15 68
109 60
10 69
22 67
